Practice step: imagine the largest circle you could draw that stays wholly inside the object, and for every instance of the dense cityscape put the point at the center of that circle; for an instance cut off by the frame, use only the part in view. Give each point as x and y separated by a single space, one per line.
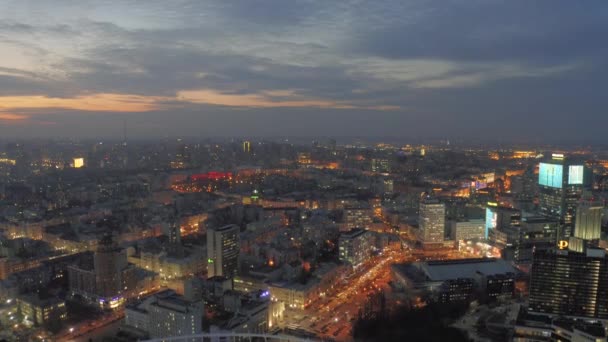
303 170
121 241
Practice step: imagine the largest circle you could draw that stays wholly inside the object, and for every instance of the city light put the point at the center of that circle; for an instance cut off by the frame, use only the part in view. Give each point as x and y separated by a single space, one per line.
328 171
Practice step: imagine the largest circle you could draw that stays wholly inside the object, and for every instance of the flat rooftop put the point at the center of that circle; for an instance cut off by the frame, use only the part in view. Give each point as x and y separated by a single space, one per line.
466 268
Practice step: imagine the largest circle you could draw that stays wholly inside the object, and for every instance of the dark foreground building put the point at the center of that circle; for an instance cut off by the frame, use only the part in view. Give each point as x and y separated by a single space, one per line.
567 283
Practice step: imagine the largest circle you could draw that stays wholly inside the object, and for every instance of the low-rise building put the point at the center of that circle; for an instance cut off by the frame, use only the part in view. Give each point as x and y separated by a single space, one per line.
50 312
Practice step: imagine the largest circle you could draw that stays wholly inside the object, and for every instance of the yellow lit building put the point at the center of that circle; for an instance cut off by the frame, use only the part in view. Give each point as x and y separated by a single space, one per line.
78 162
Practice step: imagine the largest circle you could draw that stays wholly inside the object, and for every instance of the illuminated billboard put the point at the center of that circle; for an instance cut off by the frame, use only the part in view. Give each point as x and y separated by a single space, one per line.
551 175
576 174
491 220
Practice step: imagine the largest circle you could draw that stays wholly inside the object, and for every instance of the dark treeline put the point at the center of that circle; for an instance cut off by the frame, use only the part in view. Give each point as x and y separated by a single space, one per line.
430 323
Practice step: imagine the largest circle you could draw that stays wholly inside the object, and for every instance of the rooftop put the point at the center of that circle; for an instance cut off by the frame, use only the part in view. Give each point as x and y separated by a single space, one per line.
466 268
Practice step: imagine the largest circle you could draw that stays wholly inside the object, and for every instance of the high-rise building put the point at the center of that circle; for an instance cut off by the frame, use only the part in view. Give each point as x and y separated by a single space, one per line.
109 262
247 146
431 220
568 283
499 219
467 229
355 246
223 248
587 224
561 183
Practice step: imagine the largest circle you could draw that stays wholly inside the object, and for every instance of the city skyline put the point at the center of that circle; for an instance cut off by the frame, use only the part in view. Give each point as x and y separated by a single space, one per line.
497 70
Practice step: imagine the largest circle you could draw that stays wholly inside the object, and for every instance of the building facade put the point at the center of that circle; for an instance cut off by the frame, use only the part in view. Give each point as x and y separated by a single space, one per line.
568 283
223 247
431 220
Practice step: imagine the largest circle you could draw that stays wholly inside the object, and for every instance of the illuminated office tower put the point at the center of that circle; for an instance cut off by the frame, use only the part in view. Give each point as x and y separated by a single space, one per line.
561 183
431 220
246 146
587 224
223 251
567 283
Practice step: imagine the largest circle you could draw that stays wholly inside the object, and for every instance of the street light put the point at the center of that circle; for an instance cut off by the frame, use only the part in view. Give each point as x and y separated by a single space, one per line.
71 330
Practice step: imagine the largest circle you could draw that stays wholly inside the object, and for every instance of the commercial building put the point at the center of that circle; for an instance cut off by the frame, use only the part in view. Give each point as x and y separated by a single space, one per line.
588 225
50 312
530 327
109 263
492 278
355 246
223 249
357 218
166 314
105 278
567 283
467 229
380 165
561 183
534 234
499 219
431 220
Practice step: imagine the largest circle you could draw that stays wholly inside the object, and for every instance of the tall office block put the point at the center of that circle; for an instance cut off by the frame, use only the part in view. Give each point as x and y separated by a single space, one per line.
568 283
109 262
561 183
223 251
431 220
588 222
588 225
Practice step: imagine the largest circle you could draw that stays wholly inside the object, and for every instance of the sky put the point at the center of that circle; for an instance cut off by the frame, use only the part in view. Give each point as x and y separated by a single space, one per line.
513 70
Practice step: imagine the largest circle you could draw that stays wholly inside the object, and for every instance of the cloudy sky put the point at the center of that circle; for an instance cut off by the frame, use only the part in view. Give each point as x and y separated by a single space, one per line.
485 69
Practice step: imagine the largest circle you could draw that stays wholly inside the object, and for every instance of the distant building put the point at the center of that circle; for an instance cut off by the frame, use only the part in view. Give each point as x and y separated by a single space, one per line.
380 165
246 146
223 249
355 246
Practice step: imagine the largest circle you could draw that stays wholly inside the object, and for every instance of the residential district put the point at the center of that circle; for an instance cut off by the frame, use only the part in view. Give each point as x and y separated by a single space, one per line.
273 240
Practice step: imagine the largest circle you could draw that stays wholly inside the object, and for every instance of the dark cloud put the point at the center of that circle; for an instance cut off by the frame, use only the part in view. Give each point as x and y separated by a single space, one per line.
472 68
534 32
